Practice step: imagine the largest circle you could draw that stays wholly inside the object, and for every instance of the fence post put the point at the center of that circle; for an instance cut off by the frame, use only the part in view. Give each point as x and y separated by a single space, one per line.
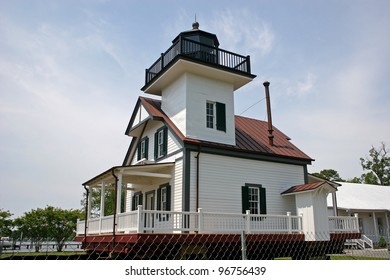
140 224
248 221
200 220
289 224
243 245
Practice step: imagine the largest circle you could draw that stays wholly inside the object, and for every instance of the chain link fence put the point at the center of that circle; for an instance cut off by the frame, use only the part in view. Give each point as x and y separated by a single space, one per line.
193 246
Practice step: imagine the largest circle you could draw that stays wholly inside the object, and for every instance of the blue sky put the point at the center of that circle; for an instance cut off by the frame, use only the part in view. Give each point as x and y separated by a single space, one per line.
71 72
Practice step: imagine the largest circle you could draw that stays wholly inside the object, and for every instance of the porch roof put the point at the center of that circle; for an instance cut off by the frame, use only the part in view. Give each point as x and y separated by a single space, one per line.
145 174
309 187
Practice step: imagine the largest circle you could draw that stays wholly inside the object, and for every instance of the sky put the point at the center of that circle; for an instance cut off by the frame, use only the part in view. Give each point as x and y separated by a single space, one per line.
71 72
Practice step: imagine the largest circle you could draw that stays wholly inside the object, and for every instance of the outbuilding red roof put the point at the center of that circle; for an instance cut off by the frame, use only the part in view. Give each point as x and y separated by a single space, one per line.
305 187
251 135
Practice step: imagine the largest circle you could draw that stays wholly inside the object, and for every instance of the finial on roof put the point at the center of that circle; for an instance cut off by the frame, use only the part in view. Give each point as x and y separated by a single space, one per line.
195 25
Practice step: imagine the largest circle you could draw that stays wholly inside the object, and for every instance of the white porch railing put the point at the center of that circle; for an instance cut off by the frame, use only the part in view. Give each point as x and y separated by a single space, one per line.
343 224
205 222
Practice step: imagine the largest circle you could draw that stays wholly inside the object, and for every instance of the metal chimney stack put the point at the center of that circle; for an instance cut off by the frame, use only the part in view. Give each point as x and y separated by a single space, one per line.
270 128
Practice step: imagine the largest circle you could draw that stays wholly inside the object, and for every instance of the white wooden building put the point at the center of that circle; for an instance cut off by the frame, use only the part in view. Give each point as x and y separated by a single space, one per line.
372 205
192 163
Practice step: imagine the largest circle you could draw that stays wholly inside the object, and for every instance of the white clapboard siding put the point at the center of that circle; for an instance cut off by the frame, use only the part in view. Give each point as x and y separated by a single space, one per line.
221 179
176 187
150 130
184 102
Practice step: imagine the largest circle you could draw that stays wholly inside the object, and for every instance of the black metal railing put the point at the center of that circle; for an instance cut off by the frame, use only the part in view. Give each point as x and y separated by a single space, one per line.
201 52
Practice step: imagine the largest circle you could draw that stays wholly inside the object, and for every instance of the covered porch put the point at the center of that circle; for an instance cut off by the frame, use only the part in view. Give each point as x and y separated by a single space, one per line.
122 181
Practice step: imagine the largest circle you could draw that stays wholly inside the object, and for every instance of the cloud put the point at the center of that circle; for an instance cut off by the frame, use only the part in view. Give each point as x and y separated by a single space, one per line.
303 87
250 36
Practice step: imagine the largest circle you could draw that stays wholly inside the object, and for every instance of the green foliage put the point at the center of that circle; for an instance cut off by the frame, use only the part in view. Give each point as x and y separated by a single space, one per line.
378 166
109 205
329 174
5 223
382 242
49 223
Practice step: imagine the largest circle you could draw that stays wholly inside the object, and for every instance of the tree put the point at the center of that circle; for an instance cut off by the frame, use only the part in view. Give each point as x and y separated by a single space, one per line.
49 223
329 174
5 223
378 166
109 205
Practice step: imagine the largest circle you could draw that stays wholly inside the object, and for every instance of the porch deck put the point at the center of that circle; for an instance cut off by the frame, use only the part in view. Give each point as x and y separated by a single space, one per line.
171 222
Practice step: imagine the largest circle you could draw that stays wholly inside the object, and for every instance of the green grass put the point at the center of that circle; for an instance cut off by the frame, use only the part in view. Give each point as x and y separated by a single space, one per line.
337 258
42 255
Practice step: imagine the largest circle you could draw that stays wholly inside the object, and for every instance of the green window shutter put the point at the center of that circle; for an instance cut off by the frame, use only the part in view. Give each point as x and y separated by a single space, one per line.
146 147
165 141
245 199
221 116
133 203
159 199
141 199
168 198
263 204
156 145
139 150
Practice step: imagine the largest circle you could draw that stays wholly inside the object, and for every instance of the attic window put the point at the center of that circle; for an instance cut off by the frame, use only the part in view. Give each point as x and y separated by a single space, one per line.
216 115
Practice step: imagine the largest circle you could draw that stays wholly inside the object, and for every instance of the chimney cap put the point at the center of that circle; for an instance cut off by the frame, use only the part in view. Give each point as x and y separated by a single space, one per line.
266 83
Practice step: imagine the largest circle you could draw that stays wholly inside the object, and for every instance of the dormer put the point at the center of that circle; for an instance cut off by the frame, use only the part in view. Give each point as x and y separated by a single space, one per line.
196 81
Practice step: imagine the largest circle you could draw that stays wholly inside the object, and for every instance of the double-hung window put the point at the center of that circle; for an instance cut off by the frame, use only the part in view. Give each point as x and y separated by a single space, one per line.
254 199
164 200
216 115
143 147
210 117
161 143
137 200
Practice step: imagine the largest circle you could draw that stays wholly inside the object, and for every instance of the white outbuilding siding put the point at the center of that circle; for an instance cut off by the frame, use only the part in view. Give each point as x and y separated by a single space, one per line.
221 179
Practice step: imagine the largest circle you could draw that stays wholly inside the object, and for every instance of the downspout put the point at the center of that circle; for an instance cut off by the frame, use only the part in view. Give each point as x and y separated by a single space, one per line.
197 179
115 200
86 216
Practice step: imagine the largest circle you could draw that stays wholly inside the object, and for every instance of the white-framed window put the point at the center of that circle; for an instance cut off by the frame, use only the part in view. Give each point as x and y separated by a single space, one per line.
210 117
254 200
143 148
216 115
164 199
161 142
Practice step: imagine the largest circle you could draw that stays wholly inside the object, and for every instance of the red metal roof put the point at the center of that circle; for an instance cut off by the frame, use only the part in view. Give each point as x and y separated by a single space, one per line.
305 187
251 135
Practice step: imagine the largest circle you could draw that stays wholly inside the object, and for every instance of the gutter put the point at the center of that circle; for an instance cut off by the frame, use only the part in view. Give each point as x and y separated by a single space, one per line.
197 178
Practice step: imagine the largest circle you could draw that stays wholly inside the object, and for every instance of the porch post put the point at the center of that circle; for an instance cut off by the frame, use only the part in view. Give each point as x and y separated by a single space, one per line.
375 226
119 190
102 203
200 220
356 226
388 227
102 200
89 202
140 223
289 224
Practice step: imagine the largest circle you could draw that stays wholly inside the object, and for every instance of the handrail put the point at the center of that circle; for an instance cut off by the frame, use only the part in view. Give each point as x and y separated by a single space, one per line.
201 52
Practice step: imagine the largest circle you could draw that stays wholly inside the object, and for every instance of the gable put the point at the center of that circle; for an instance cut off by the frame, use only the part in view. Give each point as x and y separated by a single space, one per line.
139 117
